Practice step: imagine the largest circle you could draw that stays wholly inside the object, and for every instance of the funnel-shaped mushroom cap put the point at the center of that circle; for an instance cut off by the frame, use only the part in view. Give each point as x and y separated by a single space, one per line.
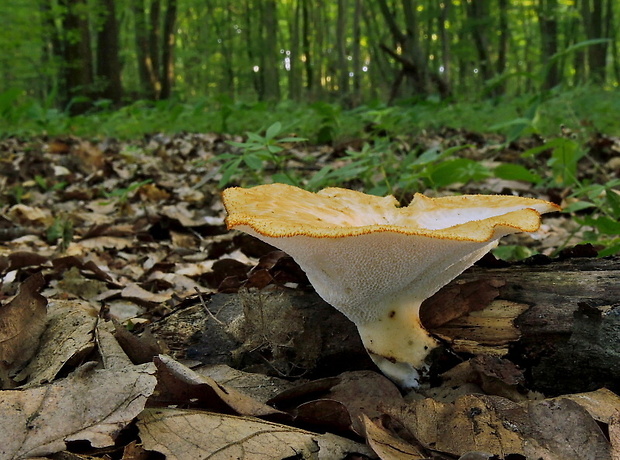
374 261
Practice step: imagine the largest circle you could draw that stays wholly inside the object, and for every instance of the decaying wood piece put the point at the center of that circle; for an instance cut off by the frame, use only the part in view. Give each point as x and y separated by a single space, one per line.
570 333
560 321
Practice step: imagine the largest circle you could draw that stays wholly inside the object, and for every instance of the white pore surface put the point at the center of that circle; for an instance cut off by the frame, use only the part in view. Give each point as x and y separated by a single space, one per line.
446 218
363 275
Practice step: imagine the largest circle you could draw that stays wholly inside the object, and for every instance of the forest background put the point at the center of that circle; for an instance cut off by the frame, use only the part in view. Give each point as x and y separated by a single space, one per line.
71 57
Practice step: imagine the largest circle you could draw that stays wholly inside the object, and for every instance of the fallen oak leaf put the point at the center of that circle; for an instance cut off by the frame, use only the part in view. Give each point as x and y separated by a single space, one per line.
181 434
179 384
90 405
68 339
22 321
387 446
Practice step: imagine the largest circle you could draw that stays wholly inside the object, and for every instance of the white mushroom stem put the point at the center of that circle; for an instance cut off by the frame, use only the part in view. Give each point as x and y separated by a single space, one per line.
398 343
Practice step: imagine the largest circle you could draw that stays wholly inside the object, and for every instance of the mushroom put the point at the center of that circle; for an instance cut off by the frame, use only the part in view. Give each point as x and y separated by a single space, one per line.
377 262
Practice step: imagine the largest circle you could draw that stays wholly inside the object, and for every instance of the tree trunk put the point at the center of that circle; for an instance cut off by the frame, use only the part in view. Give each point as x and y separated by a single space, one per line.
479 17
341 49
593 23
146 73
253 45
356 54
155 46
294 71
77 57
306 47
108 63
167 56
502 45
52 47
271 51
547 21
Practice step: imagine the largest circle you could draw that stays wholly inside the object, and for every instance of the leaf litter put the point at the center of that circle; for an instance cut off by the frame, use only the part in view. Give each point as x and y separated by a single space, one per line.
132 324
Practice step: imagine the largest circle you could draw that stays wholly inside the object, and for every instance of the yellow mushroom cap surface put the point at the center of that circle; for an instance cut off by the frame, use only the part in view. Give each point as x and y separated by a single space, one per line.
279 210
363 253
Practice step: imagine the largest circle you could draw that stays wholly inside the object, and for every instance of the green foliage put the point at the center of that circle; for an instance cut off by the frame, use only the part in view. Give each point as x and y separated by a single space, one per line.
121 195
61 232
258 153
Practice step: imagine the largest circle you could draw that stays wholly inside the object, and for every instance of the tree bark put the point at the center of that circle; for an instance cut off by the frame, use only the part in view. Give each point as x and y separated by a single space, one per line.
294 71
167 56
341 48
594 26
306 47
108 62
271 51
547 21
146 73
77 57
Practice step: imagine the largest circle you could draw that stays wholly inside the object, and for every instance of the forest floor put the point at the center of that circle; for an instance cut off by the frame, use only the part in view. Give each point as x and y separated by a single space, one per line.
125 309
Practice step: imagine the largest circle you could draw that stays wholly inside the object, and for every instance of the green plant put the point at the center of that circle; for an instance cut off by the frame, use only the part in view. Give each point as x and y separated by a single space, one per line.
45 186
258 153
61 229
122 194
597 207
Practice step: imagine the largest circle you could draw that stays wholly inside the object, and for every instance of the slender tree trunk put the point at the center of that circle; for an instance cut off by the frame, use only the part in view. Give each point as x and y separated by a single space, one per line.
502 45
146 73
479 16
252 45
271 51
306 47
77 56
155 46
167 56
356 53
547 21
444 36
108 62
294 72
592 16
53 49
341 48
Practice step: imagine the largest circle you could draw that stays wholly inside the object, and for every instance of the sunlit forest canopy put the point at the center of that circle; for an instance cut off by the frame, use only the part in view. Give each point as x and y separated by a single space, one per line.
81 54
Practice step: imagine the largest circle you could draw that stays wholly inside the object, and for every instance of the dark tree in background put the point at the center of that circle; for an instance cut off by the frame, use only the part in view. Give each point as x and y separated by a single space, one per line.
108 63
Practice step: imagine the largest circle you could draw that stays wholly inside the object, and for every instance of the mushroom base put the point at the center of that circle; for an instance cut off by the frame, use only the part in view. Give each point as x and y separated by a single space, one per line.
399 344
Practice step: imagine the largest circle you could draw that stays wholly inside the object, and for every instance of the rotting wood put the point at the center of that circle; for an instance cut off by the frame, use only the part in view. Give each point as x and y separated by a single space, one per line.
560 321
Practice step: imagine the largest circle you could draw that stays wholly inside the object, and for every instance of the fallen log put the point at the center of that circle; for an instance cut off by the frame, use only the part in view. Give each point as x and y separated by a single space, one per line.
559 321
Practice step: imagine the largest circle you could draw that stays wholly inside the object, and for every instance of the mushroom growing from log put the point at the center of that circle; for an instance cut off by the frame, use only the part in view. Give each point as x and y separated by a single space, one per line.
375 261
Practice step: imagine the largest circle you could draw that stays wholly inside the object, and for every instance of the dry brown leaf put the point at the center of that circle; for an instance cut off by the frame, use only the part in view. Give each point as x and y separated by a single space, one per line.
387 446
27 215
111 352
182 434
91 405
99 243
549 429
354 394
134 291
178 383
68 338
562 430
260 387
22 321
602 404
75 283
